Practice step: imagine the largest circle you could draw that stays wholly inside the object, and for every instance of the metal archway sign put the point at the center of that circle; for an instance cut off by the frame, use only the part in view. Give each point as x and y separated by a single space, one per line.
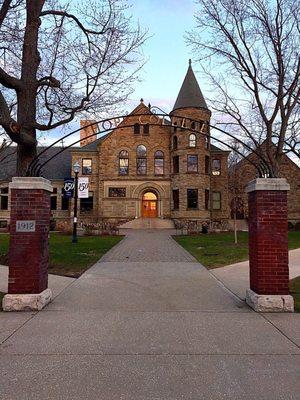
156 117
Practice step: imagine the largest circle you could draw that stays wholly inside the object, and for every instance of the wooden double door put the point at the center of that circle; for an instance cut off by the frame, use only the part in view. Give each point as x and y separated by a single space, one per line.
149 205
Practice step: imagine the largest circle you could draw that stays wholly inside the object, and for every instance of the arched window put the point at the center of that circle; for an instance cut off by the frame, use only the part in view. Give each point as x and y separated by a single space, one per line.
123 162
141 160
192 140
175 143
159 163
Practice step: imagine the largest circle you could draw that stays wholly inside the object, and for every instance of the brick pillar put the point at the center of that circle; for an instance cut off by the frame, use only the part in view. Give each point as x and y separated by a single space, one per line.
268 246
28 246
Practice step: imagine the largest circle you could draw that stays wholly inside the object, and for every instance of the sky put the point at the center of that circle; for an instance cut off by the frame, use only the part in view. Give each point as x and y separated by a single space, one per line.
166 50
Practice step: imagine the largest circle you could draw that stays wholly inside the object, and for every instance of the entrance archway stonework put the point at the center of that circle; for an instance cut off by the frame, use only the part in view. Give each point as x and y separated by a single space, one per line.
155 188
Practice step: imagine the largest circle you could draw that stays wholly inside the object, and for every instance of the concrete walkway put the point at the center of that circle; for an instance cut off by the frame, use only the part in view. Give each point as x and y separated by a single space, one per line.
149 323
236 276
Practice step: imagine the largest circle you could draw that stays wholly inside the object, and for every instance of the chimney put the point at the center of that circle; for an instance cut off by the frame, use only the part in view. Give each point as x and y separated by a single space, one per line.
86 131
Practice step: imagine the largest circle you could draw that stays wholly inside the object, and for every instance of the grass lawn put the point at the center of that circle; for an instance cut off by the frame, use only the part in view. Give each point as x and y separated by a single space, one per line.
67 258
218 249
295 292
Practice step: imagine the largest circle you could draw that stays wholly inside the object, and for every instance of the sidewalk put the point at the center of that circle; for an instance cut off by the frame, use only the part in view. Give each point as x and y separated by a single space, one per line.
148 322
236 276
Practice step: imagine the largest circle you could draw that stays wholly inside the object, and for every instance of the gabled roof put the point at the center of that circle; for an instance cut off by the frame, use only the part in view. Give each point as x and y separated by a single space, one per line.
58 168
190 94
91 146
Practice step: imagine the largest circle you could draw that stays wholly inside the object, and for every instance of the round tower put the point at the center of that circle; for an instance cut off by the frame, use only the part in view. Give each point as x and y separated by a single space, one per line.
190 158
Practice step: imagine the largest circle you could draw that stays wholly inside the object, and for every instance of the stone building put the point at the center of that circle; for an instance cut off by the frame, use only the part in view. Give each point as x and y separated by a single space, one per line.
146 167
243 172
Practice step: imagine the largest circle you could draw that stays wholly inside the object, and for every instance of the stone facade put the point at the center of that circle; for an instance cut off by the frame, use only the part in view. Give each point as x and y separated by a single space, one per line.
146 166
244 172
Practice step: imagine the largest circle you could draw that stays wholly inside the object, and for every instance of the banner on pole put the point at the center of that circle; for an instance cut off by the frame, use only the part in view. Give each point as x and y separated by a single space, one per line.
68 189
83 187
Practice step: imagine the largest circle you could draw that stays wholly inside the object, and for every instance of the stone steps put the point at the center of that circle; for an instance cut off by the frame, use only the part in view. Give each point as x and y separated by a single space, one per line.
148 223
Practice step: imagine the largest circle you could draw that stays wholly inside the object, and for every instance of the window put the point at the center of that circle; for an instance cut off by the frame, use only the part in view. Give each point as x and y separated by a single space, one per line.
216 200
176 199
175 164
116 192
86 166
206 142
192 163
136 129
192 198
123 163
193 125
87 204
207 166
206 199
175 126
4 198
216 167
64 201
175 143
159 163
146 129
53 199
192 140
141 160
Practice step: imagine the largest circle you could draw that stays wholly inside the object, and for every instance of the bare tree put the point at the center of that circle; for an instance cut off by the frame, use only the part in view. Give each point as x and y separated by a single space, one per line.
250 49
61 58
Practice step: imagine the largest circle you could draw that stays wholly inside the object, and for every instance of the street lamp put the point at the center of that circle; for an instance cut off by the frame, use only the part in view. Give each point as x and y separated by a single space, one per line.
76 169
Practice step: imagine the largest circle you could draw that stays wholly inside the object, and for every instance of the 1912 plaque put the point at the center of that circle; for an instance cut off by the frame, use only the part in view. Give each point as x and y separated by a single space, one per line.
25 226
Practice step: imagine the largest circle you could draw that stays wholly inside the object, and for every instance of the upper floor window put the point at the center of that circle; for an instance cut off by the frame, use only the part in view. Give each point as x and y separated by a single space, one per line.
175 164
159 163
123 162
4 198
136 129
207 164
192 140
192 163
141 160
216 167
193 125
86 166
175 143
146 129
175 126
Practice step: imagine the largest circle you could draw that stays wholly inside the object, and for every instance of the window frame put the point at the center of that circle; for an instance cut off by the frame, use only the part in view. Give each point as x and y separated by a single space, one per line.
141 158
4 194
177 203
162 158
219 201
121 157
82 166
194 140
188 165
137 129
188 199
110 189
176 170
216 172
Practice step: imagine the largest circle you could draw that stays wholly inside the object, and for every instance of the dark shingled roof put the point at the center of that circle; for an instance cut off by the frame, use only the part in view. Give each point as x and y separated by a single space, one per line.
92 146
190 94
56 169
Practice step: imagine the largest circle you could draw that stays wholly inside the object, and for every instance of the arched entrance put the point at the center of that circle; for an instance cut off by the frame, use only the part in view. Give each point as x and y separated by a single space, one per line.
149 205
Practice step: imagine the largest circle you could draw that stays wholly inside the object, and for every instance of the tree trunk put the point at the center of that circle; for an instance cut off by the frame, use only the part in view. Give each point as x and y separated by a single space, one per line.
26 115
25 154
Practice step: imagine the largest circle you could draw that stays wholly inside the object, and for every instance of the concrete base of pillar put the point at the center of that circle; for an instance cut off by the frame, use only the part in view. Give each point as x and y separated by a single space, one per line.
26 302
269 303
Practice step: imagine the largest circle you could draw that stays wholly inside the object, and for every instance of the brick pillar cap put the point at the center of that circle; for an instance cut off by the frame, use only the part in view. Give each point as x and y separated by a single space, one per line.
31 183
267 184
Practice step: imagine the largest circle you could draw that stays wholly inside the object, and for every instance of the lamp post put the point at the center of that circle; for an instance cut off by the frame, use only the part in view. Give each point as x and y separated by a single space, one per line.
76 168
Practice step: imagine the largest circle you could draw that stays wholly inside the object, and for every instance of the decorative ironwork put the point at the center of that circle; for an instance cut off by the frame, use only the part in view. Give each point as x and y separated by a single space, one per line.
156 117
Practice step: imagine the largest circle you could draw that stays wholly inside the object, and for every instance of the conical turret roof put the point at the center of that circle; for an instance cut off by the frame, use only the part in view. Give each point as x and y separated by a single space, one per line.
190 94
